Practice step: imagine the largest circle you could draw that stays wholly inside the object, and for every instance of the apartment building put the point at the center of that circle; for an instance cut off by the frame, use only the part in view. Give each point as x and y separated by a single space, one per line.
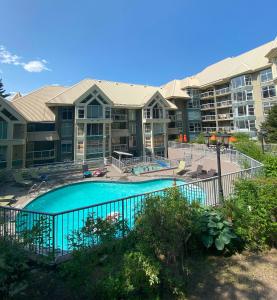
94 118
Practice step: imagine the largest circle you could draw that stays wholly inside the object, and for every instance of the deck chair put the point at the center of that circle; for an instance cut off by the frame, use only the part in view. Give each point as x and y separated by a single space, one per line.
7 200
210 173
181 168
18 177
86 171
196 173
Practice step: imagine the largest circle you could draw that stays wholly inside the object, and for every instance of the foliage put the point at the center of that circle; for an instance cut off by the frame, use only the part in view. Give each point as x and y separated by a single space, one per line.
270 125
241 137
14 270
166 224
97 230
215 230
270 166
3 93
253 211
250 148
199 139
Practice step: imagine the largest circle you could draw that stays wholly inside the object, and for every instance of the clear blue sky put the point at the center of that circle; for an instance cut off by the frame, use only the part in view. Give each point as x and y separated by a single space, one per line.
138 41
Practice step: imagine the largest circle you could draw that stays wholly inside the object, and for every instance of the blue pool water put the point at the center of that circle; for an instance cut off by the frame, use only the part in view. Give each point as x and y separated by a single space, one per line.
85 194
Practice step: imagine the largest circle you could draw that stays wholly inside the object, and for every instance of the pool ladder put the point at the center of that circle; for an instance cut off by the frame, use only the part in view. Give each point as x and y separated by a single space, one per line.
35 188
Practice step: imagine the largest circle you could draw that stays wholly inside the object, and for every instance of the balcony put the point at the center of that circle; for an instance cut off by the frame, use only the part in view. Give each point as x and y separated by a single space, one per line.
223 91
208 129
119 118
222 117
120 132
41 155
222 104
208 118
209 94
207 106
120 147
226 128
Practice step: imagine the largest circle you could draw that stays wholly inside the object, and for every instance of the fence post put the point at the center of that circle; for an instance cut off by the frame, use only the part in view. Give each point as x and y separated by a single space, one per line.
53 238
123 217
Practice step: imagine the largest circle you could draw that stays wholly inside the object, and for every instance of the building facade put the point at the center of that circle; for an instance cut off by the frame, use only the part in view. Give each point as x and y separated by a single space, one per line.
94 118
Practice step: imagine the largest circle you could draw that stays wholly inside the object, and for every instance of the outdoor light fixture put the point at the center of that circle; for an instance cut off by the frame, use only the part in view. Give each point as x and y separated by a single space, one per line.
221 139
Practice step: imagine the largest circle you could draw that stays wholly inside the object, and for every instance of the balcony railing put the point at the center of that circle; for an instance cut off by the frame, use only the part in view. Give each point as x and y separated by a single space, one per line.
208 118
208 106
222 91
121 117
226 128
120 147
222 104
207 94
208 129
224 116
41 155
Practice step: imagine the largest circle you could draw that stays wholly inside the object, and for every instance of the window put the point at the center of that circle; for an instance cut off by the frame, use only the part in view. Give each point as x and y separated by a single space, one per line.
18 131
88 97
66 147
94 110
132 115
194 127
251 111
267 106
102 99
158 128
80 129
266 75
94 147
244 80
147 128
147 113
242 111
66 129
80 147
9 115
147 141
67 113
94 129
246 95
3 156
194 103
81 113
268 91
159 141
132 127
107 112
157 112
3 129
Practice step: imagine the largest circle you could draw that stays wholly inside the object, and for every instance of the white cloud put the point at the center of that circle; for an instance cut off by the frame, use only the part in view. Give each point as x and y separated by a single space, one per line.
36 66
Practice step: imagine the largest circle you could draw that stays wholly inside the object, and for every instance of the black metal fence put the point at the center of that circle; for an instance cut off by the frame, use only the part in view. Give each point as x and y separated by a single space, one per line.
58 233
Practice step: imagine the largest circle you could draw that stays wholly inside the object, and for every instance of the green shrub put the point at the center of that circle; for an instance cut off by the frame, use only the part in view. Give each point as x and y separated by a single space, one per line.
14 270
251 149
270 166
253 210
199 139
215 230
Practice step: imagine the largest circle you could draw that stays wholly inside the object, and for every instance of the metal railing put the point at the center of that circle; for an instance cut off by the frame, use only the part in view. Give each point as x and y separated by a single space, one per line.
40 155
222 91
208 118
222 104
56 233
207 94
208 106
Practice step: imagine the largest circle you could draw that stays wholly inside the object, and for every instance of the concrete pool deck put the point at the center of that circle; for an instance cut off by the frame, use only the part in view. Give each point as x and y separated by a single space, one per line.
208 161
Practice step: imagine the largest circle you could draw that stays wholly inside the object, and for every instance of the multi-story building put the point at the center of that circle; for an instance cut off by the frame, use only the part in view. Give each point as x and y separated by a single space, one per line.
94 118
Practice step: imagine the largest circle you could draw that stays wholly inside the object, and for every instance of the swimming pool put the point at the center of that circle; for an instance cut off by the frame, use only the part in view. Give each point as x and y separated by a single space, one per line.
96 198
150 167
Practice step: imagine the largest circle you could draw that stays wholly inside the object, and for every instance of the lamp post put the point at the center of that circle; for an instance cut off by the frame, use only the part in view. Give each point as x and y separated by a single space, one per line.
220 139
261 134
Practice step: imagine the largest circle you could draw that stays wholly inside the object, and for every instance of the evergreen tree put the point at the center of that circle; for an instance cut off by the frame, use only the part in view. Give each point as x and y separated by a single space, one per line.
270 125
3 93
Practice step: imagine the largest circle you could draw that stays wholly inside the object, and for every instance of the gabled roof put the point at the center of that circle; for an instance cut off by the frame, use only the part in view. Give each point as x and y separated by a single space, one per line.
173 90
33 106
253 60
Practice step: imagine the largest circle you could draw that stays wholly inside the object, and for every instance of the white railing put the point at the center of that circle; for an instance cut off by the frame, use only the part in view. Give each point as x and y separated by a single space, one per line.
224 103
207 94
208 106
226 128
120 147
208 129
208 118
222 91
224 116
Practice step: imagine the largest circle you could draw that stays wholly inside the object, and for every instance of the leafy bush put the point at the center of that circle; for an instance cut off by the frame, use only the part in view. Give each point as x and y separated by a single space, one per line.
270 166
215 230
14 270
253 210
199 139
251 149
